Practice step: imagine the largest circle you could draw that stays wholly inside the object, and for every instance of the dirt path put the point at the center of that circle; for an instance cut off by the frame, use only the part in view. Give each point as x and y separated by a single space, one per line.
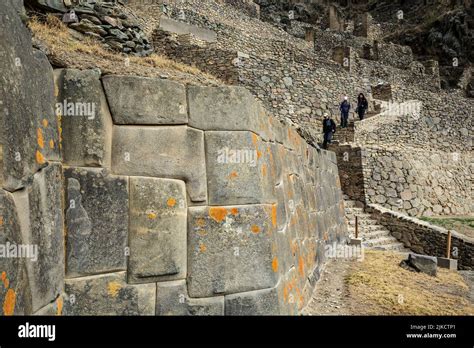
379 286
331 294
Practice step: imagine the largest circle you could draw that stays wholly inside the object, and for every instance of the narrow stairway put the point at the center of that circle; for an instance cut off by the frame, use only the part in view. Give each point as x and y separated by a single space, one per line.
374 235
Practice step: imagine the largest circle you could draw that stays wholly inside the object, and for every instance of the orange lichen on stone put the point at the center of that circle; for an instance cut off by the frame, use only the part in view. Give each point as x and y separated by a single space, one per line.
45 123
201 222
5 280
51 144
59 304
275 264
255 229
39 157
274 215
218 214
152 216
39 135
171 202
259 154
1 220
9 302
233 175
301 266
264 169
202 247
254 139
234 211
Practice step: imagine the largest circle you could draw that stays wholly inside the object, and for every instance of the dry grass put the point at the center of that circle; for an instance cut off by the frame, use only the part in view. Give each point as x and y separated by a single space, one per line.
65 50
379 286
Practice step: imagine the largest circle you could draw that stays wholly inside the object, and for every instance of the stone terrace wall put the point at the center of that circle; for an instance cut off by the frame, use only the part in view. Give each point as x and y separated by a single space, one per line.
444 123
419 182
226 205
424 238
205 56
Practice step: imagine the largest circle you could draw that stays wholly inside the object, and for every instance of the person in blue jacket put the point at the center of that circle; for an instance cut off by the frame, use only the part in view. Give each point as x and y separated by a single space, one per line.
345 107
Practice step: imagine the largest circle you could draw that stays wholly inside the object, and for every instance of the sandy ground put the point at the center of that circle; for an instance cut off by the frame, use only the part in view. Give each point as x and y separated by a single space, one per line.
379 286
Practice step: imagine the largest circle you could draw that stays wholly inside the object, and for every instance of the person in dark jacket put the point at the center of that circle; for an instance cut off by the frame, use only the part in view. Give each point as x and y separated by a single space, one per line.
345 107
329 128
362 106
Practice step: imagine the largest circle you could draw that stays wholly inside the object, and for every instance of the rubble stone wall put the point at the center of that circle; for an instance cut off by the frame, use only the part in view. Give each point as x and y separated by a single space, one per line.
419 182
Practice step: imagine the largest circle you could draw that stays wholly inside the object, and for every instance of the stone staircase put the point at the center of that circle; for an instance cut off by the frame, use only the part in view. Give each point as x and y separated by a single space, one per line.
346 135
374 235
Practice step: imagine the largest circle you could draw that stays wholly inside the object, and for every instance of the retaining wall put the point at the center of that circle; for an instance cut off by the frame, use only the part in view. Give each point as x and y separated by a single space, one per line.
424 238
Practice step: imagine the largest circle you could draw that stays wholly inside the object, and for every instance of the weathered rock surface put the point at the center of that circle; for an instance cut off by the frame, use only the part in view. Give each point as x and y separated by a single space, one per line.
97 221
230 249
40 209
216 108
260 302
237 168
423 263
172 299
170 152
85 118
158 213
15 294
163 101
27 103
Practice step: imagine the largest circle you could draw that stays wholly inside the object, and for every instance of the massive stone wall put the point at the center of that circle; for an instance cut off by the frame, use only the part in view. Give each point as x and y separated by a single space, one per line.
225 206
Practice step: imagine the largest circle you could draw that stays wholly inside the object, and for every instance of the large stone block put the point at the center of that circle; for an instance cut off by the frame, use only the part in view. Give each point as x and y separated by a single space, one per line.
15 295
172 299
231 249
142 100
222 109
237 168
108 294
27 96
158 214
170 152
96 221
260 302
85 118
40 209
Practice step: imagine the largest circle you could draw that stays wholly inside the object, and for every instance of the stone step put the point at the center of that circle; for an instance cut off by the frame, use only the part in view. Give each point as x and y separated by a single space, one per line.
399 247
372 235
353 204
366 229
364 221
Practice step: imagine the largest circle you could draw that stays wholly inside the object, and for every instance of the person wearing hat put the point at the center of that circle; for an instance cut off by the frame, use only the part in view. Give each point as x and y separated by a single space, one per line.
329 128
345 107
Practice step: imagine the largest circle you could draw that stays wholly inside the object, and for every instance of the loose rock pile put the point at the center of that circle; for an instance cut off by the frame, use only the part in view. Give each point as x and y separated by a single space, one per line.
103 20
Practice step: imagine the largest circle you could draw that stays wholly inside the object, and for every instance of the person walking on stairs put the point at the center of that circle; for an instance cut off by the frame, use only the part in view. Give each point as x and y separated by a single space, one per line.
345 107
329 128
362 106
